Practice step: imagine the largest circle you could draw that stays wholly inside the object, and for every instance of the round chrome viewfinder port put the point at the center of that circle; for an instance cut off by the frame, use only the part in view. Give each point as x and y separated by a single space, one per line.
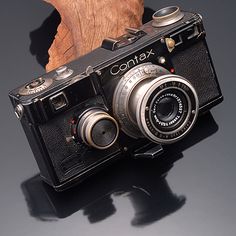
98 129
167 16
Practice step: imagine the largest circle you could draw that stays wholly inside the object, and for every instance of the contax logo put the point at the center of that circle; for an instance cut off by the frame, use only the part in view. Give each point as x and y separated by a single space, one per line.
118 68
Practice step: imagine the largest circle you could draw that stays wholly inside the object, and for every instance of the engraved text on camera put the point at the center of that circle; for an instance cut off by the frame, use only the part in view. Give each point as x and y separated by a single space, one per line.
116 69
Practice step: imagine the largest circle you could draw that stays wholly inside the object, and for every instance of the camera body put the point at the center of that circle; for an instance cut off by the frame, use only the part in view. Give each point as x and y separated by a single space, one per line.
134 95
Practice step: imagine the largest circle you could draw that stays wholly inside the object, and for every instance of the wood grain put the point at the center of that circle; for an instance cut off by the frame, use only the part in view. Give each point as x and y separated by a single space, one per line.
85 23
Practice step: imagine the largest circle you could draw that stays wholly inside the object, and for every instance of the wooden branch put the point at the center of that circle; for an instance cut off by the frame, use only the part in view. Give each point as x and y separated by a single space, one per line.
85 23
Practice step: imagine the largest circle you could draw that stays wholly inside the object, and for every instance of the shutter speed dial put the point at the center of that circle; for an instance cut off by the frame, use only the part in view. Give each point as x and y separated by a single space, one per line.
35 86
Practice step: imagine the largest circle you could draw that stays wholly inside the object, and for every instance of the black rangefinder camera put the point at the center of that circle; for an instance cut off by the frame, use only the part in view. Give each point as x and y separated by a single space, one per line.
134 95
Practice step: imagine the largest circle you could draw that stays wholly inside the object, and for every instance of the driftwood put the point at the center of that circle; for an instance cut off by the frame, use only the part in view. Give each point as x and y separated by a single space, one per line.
85 23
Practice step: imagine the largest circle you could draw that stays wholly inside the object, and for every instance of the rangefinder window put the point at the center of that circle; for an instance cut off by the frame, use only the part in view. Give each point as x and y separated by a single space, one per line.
58 101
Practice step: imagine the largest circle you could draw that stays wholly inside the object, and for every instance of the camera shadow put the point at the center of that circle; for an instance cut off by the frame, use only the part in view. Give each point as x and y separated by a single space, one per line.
143 181
42 37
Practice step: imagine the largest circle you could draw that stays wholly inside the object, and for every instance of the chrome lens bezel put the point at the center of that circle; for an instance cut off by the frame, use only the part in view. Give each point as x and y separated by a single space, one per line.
164 83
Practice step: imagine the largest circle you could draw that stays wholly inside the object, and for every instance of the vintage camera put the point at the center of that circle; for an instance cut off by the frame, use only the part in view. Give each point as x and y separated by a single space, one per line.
134 95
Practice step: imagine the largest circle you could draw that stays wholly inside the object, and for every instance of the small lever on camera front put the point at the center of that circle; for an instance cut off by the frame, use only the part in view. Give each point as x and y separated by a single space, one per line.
149 151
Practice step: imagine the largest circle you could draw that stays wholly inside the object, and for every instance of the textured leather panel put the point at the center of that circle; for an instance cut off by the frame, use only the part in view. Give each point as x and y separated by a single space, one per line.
194 64
69 158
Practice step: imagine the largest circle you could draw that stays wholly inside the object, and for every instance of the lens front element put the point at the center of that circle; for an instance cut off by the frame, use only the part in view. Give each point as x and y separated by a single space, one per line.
168 109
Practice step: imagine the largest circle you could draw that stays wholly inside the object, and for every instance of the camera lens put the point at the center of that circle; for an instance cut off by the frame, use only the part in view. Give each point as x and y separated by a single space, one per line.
97 129
150 102
167 109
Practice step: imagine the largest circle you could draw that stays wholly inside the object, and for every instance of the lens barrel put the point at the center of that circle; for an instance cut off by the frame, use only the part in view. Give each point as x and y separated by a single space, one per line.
150 102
